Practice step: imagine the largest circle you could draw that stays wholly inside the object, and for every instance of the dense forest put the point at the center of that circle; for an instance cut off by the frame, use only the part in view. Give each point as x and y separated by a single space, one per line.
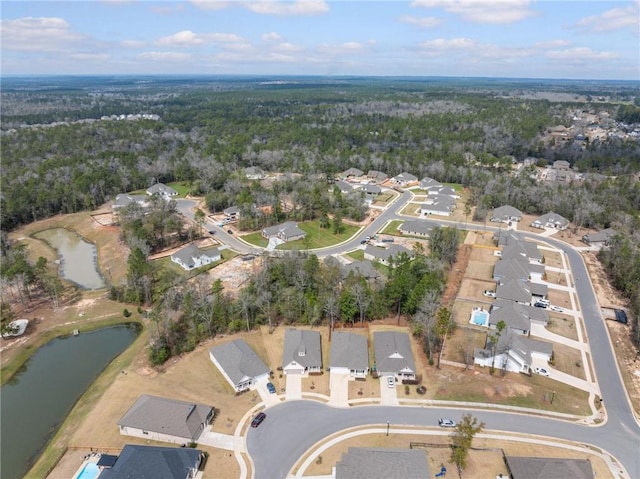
73 144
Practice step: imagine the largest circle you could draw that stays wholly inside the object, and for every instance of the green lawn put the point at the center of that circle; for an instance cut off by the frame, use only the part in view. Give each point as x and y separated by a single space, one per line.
357 255
182 187
392 228
256 239
318 237
457 187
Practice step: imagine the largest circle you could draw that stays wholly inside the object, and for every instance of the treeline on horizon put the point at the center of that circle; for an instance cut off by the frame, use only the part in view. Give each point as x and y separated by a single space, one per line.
208 133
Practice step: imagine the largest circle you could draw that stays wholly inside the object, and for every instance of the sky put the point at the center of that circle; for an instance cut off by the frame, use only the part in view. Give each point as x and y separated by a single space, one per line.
571 39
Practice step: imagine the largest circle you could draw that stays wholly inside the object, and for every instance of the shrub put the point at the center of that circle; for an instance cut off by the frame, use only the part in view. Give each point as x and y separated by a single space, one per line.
126 313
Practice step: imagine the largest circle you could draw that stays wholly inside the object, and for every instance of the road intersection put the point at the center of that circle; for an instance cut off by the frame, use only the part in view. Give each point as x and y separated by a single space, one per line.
296 426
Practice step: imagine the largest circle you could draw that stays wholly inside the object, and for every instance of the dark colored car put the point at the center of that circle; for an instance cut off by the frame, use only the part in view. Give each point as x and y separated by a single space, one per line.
230 232
258 419
621 316
271 388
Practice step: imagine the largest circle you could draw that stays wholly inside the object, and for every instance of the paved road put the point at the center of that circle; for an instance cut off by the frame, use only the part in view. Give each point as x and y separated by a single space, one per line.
293 427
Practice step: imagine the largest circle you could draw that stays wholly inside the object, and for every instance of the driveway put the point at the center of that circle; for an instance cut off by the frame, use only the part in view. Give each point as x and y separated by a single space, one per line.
339 389
388 396
267 398
294 387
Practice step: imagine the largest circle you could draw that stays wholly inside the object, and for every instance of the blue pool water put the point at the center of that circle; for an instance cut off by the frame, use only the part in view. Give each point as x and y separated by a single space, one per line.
89 471
480 318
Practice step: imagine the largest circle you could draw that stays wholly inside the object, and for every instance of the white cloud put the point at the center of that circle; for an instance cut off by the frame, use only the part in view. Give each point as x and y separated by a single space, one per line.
188 38
210 4
133 44
421 22
444 45
615 19
183 38
271 37
164 56
552 44
296 7
344 48
580 54
287 47
43 34
482 11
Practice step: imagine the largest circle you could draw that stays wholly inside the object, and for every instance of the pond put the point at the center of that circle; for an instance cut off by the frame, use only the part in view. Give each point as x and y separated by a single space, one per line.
38 399
78 258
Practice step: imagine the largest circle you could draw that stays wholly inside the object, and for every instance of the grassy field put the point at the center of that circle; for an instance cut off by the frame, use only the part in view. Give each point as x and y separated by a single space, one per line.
568 360
256 239
319 237
562 325
392 227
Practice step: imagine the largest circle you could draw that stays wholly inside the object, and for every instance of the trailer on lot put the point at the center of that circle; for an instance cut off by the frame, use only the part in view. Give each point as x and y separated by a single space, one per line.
614 314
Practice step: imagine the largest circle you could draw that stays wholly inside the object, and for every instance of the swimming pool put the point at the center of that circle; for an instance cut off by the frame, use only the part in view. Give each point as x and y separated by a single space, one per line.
480 317
89 471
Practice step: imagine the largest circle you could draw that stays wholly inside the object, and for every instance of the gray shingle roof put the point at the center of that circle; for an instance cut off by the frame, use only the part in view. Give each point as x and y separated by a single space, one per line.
549 468
504 212
416 226
600 236
167 416
552 218
191 251
161 189
372 463
303 347
353 172
377 175
427 182
364 268
287 229
405 177
153 462
349 350
238 360
386 253
514 290
393 352
371 189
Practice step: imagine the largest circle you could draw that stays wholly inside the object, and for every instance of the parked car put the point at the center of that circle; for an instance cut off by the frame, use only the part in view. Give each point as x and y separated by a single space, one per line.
621 316
538 304
212 232
555 308
257 420
364 242
391 382
230 232
489 293
446 422
271 388
541 371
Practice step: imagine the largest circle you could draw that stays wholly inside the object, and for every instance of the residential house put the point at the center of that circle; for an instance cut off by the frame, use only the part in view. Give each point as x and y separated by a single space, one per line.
551 220
156 462
254 173
363 268
507 269
370 192
124 199
442 191
343 186
239 364
404 179
548 468
514 290
287 231
385 255
393 354
426 183
302 353
191 257
561 165
505 214
161 190
349 354
232 212
383 463
514 353
377 176
352 173
166 420
601 238
438 205
516 316
416 228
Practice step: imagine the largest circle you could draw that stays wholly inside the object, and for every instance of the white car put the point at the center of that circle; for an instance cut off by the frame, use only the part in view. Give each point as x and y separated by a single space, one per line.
489 293
391 382
446 423
541 371
555 308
